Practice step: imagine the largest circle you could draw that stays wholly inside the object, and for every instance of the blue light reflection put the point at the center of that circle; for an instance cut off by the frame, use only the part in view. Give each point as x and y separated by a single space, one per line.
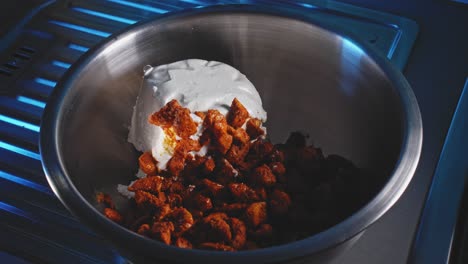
104 15
352 48
78 47
45 82
20 151
16 211
19 123
25 182
30 101
307 5
195 2
140 6
81 28
61 64
351 55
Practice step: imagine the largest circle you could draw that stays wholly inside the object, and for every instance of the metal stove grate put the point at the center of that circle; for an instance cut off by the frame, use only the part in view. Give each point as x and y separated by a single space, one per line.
55 35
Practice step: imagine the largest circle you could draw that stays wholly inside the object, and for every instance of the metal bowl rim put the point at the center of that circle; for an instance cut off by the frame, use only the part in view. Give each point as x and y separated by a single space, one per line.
63 187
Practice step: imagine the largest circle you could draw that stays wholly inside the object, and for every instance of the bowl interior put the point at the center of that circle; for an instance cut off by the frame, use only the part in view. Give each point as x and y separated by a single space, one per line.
309 79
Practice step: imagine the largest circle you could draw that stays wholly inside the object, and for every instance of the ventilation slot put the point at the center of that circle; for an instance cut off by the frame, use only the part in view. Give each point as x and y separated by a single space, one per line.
5 72
10 66
27 49
21 56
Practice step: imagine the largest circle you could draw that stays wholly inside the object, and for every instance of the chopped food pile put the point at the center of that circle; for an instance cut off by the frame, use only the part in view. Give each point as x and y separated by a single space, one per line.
243 193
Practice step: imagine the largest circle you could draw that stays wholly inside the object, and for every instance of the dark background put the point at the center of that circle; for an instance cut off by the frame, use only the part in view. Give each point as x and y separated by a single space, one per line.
437 69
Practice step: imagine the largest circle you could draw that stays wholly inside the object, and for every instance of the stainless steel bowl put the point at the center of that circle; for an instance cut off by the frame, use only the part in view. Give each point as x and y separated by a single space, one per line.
312 78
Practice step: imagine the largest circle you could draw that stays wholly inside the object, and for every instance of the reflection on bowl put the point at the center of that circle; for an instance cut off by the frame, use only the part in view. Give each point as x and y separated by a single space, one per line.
350 100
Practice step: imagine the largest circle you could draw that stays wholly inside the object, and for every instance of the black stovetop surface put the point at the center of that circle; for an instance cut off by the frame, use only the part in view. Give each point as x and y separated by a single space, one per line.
34 220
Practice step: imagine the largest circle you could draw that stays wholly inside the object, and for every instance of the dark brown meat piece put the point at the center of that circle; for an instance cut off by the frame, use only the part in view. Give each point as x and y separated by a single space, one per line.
259 150
256 214
278 168
237 153
181 218
183 243
243 193
135 224
239 195
177 187
234 209
209 166
225 172
296 140
217 229
309 154
279 202
216 215
250 245
213 188
262 193
162 231
263 232
202 203
263 176
162 211
239 234
176 164
143 198
276 155
174 199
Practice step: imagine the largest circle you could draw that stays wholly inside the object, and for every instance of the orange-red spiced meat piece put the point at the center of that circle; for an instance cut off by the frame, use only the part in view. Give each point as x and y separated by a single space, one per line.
174 115
148 184
103 198
143 229
113 215
176 164
239 135
237 114
147 163
254 128
215 122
